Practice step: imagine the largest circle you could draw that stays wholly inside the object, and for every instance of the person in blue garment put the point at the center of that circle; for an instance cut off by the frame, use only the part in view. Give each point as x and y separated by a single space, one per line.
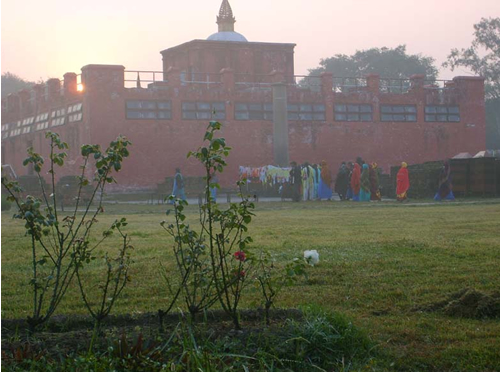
445 190
178 190
325 181
356 182
364 191
213 189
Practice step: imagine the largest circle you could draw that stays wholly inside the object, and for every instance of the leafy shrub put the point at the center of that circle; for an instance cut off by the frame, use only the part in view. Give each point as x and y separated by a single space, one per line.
56 238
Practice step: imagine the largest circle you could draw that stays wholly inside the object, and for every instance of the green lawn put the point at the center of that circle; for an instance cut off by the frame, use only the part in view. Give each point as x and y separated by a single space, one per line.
377 262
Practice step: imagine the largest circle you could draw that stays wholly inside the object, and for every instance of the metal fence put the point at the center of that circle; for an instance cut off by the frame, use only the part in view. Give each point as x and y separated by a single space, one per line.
312 83
136 79
348 84
203 79
397 86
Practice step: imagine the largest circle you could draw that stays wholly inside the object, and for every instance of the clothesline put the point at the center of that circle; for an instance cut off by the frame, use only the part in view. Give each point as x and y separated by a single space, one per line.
267 175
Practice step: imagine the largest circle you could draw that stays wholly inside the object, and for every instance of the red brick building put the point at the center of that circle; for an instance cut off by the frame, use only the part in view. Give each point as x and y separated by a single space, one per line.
269 115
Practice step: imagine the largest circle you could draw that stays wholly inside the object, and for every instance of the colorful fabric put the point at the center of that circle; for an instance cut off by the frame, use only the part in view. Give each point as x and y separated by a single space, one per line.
325 180
364 192
305 183
268 175
374 183
326 175
356 182
312 183
403 182
445 191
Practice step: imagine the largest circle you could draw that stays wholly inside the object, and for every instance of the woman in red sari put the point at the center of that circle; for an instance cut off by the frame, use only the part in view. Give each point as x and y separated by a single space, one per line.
356 182
403 182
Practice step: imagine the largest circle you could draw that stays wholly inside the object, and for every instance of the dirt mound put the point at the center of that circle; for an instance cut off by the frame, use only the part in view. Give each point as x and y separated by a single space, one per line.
467 303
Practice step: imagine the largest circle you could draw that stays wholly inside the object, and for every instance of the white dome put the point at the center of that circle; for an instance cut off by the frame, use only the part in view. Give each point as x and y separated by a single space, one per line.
227 36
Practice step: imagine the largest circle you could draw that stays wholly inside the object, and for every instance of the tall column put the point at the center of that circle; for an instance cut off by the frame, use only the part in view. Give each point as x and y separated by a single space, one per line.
280 125
70 83
103 78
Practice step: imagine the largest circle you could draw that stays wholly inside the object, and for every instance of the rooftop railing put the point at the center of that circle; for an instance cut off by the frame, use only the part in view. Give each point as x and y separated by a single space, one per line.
263 82
438 84
253 82
136 78
348 84
396 86
312 83
201 79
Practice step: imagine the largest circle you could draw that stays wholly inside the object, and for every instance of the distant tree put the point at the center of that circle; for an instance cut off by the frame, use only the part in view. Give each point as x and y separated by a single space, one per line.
391 63
483 58
12 83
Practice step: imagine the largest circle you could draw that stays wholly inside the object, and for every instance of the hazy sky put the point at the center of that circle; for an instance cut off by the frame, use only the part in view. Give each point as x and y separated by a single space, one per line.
46 38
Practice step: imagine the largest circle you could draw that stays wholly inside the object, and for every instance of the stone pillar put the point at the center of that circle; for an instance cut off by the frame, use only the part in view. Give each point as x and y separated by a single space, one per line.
70 83
12 103
24 102
373 83
417 83
227 78
280 125
40 96
277 76
326 83
54 89
103 78
173 77
469 97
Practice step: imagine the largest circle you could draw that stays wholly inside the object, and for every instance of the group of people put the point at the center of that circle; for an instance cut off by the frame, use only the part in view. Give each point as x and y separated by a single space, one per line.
310 181
358 181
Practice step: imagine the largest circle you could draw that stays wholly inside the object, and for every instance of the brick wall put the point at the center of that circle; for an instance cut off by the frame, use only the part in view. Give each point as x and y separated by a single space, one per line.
159 146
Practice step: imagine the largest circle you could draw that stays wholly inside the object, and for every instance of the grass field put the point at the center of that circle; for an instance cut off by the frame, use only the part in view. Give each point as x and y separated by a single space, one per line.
377 262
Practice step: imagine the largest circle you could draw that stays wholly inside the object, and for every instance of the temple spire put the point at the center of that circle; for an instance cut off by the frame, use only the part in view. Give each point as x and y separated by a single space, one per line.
225 19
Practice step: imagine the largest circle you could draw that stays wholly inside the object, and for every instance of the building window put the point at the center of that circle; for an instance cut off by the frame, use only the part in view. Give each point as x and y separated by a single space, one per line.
58 118
306 111
42 125
28 121
5 131
42 117
203 110
442 113
398 113
348 112
77 107
41 121
253 111
149 110
75 113
15 132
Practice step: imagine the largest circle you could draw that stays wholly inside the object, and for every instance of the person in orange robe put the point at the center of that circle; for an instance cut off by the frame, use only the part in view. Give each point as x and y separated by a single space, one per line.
356 182
403 182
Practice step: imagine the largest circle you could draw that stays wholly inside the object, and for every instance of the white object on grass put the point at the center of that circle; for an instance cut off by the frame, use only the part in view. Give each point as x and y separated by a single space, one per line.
311 257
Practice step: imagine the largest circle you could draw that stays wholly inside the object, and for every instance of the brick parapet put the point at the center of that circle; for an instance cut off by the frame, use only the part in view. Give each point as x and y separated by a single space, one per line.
160 145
